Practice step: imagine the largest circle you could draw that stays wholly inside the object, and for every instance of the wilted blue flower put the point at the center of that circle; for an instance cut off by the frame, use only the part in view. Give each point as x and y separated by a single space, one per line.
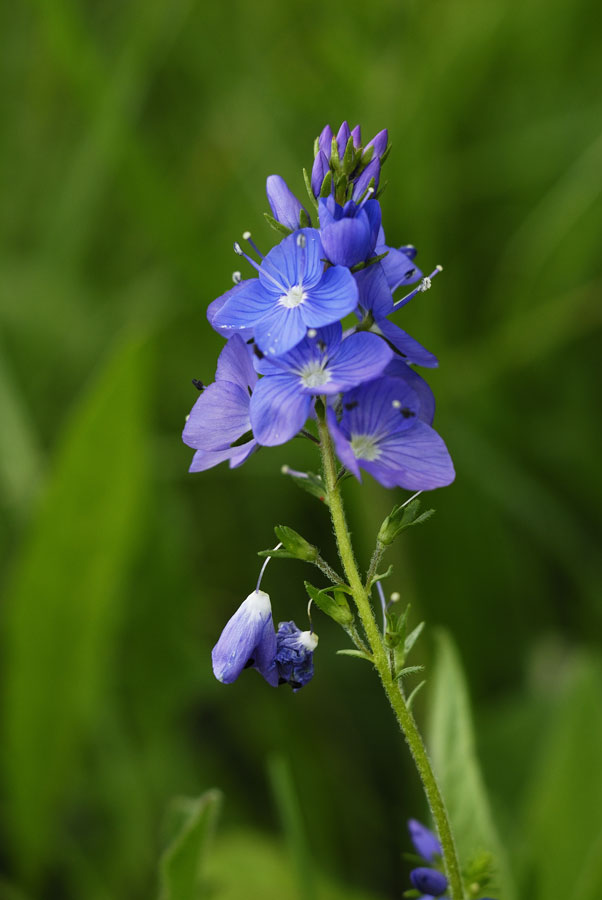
285 206
430 881
292 293
323 363
220 416
382 430
247 641
294 655
349 232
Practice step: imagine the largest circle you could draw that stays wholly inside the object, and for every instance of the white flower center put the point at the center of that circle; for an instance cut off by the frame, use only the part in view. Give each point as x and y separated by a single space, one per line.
293 297
315 375
364 446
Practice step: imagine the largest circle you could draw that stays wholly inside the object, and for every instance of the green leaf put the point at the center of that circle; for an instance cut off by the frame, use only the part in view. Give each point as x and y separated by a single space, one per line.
310 482
182 865
296 544
276 225
64 600
358 653
451 744
408 670
562 809
380 576
412 638
400 518
414 693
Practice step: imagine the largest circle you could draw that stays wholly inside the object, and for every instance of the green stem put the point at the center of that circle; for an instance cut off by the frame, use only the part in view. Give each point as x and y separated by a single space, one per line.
382 664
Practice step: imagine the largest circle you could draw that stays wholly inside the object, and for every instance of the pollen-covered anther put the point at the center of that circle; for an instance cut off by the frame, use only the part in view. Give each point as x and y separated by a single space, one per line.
238 249
426 283
311 333
395 597
246 235
236 277
396 404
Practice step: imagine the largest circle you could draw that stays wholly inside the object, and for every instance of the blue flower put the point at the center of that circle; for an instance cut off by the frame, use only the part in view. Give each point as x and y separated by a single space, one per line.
398 264
349 233
430 881
285 206
425 841
294 655
220 416
247 641
293 293
383 430
323 363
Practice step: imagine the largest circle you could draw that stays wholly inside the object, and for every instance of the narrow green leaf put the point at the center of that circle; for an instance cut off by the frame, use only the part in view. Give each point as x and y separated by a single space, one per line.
294 827
409 670
380 576
451 744
276 225
414 693
63 602
182 865
335 606
359 653
412 638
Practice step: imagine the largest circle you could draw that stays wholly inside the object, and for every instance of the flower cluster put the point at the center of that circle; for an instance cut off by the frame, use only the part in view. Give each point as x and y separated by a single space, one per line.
428 881
314 323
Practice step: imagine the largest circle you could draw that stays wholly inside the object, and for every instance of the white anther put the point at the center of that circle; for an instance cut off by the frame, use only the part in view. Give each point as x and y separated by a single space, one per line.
238 249
246 235
311 332
285 469
438 268
236 277
369 191
301 242
395 597
396 404
426 284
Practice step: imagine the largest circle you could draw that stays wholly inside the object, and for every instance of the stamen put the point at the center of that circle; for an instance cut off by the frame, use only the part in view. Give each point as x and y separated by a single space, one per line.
260 268
236 277
311 333
286 470
267 559
302 243
396 404
383 604
247 237
423 286
395 597
198 384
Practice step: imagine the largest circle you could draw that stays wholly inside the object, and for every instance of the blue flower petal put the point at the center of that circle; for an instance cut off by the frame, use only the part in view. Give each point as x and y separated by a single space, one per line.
217 305
399 369
325 141
319 171
245 304
343 136
219 417
235 363
408 347
361 357
294 655
416 459
278 409
290 264
285 206
379 142
372 171
347 241
333 298
399 267
356 134
280 329
249 636
342 445
374 292
236 456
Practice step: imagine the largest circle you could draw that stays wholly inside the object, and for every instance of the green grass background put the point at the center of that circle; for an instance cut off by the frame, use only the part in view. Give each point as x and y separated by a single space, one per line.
135 140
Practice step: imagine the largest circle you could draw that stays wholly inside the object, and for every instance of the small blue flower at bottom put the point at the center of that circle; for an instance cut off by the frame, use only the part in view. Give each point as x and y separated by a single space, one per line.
294 655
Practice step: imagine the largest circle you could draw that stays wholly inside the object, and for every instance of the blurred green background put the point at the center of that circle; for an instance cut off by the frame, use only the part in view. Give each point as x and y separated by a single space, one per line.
135 142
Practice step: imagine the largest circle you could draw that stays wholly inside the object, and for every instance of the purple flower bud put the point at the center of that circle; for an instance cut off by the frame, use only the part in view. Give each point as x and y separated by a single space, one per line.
379 142
356 134
424 840
318 173
429 881
325 141
372 171
343 136
284 204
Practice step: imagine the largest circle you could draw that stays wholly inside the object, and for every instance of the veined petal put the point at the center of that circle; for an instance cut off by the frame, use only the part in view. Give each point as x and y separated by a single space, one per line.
416 459
374 292
399 369
323 343
399 268
246 303
333 298
371 208
235 363
361 357
290 264
280 329
405 344
243 634
279 409
207 459
219 417
217 305
379 408
285 206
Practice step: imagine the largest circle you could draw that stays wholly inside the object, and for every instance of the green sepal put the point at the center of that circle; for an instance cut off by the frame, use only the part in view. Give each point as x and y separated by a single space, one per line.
316 147
313 484
304 219
402 517
335 159
348 161
326 185
408 670
357 653
367 156
480 872
296 545
412 638
412 696
310 194
277 226
369 262
380 576
335 606
384 155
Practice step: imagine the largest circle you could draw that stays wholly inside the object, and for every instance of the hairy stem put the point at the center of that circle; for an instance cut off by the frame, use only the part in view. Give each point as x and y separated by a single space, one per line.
382 664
